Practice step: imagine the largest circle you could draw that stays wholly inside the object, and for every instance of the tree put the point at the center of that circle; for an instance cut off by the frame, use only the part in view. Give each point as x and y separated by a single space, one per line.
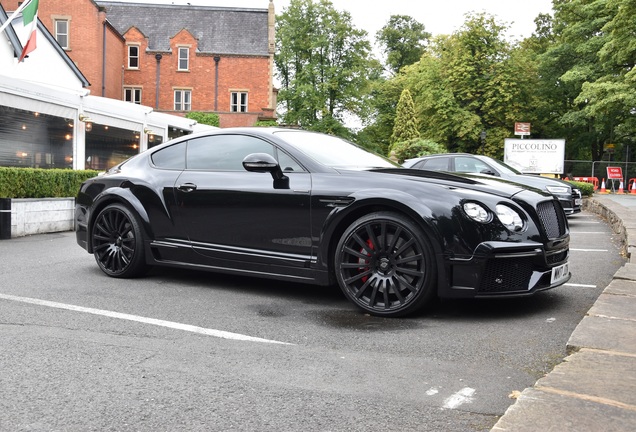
470 82
587 74
405 127
324 64
403 40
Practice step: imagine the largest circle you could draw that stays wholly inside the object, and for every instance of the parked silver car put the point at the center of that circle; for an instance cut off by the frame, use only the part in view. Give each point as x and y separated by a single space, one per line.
569 196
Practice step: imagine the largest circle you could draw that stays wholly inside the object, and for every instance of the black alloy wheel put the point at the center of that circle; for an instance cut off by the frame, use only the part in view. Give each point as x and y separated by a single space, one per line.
385 265
118 242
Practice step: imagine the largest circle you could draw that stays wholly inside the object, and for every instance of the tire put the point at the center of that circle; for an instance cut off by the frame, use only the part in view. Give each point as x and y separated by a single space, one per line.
384 265
118 244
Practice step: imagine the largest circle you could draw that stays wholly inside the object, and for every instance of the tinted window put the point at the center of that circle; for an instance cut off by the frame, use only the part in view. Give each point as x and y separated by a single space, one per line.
172 157
435 164
224 152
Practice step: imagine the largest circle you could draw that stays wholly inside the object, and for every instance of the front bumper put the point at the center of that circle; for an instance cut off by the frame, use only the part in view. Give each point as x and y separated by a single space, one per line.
499 269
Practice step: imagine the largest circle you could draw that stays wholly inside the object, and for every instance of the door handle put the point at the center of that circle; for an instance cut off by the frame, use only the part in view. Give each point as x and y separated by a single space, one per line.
187 187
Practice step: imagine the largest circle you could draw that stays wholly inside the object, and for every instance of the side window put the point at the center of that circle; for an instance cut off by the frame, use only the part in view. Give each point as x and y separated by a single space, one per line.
287 164
224 152
173 157
435 164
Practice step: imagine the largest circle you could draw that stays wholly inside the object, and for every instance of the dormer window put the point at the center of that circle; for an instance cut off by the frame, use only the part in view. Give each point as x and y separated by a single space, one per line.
184 59
133 57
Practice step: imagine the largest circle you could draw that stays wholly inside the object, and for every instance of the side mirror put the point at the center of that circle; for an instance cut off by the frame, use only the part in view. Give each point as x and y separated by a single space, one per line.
263 162
487 171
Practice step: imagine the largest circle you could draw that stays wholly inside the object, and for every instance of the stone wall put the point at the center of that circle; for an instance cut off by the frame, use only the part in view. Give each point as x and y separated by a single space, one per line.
38 215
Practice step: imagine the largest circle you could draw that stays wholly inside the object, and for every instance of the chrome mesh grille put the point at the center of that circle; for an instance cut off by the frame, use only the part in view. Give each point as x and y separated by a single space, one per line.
552 218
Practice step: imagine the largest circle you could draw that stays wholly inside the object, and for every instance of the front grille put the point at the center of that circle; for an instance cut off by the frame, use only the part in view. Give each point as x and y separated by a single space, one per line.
504 275
552 218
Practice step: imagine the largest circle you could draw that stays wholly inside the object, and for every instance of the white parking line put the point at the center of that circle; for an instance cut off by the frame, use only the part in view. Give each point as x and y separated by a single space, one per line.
579 285
588 250
463 396
169 324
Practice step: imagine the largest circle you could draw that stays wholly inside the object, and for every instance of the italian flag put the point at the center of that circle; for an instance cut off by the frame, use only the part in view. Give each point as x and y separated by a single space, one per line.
30 16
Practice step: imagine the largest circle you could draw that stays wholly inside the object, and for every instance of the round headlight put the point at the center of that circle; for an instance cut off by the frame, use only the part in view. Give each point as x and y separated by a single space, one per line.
509 218
477 212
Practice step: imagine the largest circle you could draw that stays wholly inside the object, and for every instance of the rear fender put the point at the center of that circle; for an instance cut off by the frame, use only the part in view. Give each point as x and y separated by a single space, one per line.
123 196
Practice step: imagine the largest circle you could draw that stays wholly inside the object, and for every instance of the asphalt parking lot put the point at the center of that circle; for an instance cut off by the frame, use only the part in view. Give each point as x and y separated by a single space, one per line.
197 351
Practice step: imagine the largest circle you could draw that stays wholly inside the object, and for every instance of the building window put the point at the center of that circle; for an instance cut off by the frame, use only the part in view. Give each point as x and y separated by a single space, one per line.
133 57
132 94
61 32
182 100
238 102
184 59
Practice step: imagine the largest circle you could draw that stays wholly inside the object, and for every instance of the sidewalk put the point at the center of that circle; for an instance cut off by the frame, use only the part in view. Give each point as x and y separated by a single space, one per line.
594 389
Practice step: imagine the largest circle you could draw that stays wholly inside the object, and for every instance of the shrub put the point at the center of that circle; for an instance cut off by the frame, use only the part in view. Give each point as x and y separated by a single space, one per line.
41 183
587 189
209 119
266 123
416 147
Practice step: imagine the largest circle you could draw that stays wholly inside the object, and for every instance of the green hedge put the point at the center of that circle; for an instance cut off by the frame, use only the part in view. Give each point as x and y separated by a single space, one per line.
41 183
587 189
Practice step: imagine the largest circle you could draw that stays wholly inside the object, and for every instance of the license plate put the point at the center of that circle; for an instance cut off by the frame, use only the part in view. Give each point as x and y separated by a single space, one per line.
578 201
560 273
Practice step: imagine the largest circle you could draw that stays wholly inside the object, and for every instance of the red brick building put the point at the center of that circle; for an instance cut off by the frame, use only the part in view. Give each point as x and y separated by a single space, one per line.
174 58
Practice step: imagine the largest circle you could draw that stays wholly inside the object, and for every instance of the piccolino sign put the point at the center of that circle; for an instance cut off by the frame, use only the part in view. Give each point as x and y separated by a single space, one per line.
535 156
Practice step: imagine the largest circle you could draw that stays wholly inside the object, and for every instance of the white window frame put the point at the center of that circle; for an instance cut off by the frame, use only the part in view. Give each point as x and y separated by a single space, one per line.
182 99
66 21
135 95
239 101
184 56
129 56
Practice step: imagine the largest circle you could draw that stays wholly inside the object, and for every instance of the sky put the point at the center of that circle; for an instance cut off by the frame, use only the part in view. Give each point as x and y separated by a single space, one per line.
438 16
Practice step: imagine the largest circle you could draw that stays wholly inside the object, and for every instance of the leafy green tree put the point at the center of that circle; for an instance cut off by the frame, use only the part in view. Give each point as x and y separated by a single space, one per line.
385 94
405 127
324 64
587 74
403 40
471 82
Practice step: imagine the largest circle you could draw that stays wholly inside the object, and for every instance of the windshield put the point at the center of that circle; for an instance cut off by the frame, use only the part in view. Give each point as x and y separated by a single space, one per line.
334 152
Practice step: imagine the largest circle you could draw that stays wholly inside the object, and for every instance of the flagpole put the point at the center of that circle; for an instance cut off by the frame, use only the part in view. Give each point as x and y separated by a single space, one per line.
14 14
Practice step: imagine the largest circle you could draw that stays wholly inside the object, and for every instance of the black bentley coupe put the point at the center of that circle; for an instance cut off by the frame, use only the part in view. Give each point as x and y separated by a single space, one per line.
312 208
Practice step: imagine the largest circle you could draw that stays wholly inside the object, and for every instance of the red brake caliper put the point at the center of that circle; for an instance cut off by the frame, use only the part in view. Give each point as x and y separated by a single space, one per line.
362 261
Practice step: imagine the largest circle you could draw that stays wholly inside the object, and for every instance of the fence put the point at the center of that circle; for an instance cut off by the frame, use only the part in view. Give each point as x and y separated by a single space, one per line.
598 169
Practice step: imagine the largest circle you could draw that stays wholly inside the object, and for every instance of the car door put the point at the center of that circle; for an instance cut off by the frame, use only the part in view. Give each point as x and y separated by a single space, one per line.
232 214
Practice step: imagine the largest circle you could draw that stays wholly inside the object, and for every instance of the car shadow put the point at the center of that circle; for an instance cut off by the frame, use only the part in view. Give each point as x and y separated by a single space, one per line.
328 305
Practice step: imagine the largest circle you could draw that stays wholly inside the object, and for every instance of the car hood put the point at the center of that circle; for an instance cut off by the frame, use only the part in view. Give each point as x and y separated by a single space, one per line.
538 181
487 184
